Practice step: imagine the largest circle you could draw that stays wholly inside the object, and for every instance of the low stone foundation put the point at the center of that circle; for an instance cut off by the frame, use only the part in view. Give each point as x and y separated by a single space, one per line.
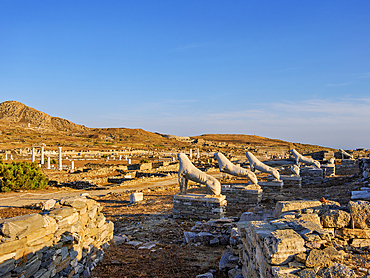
291 180
199 206
311 176
64 242
242 193
347 167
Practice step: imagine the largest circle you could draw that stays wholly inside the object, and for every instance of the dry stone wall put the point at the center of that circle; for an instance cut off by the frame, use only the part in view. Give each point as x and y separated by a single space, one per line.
66 241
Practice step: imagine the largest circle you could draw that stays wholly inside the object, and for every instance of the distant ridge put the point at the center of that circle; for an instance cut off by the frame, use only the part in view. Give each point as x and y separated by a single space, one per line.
24 125
15 112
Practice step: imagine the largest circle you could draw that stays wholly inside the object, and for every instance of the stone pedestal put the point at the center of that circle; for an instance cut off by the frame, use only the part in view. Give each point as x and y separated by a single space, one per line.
311 176
329 170
291 180
199 206
271 186
242 193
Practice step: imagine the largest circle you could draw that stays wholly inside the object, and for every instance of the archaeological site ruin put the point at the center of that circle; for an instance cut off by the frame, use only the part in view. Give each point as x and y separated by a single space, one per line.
129 203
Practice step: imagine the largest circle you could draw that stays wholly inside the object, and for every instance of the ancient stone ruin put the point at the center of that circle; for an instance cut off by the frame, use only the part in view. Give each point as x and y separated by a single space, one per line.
67 240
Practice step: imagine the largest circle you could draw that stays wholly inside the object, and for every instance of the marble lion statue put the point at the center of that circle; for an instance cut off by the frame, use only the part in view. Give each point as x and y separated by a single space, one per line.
258 165
306 160
187 171
295 170
345 154
228 167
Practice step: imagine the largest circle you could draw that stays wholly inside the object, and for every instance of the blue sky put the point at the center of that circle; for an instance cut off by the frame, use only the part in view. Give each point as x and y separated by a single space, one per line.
292 70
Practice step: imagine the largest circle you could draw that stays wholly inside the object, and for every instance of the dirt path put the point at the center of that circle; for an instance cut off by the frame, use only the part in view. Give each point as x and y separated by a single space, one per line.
20 199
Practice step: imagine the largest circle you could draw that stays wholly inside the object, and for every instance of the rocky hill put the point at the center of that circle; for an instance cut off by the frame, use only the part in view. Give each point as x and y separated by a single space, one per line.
17 113
21 126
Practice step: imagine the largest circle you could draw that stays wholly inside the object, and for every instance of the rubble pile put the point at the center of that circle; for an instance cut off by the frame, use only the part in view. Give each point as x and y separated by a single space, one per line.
309 239
364 165
64 241
79 184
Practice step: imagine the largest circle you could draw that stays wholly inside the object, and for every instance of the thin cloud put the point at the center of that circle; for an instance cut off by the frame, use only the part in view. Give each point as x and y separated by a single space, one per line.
338 85
363 75
189 46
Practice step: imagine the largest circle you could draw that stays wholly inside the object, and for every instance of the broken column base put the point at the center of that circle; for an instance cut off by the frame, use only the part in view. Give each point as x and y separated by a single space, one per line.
271 186
291 180
242 193
199 206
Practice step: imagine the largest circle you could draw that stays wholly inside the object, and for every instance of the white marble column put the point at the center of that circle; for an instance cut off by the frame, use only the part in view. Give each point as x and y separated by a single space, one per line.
60 166
48 163
42 155
33 155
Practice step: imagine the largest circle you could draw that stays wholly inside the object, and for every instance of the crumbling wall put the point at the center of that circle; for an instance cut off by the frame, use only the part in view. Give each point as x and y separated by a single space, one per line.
309 239
66 241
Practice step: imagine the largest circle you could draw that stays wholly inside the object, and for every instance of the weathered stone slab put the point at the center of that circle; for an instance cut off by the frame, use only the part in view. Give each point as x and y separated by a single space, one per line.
282 245
284 206
360 214
20 226
353 233
359 243
61 213
77 203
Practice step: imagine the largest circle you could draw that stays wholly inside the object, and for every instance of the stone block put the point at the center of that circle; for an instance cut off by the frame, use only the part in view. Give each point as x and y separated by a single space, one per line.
11 246
337 271
312 217
318 258
61 213
359 243
284 206
335 218
360 214
282 245
257 231
21 226
77 203
352 233
136 197
69 220
6 266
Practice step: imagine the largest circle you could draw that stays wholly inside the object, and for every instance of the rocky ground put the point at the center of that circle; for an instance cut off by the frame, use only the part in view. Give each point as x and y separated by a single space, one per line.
162 250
